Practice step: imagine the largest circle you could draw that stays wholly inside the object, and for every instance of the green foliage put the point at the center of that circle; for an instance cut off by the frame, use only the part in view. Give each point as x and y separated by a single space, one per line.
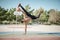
44 17
3 14
27 7
51 16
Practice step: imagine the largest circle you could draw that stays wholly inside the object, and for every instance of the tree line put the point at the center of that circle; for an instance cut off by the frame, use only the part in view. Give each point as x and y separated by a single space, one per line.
51 16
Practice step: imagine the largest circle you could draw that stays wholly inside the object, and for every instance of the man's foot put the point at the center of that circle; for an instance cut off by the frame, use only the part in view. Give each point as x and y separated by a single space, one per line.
19 4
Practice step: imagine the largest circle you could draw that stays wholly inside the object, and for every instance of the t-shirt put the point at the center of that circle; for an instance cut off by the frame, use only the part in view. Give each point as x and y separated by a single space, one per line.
18 13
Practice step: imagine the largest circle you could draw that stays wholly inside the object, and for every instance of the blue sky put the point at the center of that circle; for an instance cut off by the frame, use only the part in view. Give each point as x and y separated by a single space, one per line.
35 4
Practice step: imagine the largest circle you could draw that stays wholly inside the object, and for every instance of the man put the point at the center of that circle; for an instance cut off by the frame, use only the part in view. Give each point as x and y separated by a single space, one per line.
27 15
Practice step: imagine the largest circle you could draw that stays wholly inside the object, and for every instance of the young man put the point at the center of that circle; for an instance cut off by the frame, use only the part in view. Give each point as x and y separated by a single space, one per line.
27 15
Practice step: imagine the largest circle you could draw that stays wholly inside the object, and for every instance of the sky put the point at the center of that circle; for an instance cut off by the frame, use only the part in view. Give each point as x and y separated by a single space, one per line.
34 4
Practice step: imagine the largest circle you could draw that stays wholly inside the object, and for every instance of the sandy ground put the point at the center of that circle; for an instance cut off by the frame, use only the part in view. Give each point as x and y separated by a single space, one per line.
38 28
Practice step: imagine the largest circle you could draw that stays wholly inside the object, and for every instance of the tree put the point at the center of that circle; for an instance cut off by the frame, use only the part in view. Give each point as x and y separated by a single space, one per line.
54 16
44 17
2 14
27 7
10 15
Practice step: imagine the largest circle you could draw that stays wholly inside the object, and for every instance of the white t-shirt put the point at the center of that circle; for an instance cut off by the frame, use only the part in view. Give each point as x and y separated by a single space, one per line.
18 13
